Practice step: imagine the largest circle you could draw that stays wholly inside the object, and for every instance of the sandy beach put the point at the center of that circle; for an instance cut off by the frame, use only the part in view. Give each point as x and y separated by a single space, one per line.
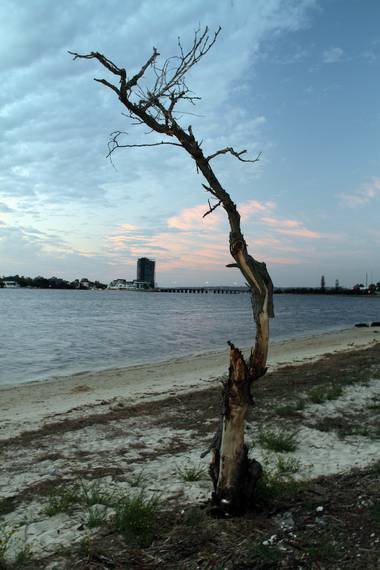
26 406
136 430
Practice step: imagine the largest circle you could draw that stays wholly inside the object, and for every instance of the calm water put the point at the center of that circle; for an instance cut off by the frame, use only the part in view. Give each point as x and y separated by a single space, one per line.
46 332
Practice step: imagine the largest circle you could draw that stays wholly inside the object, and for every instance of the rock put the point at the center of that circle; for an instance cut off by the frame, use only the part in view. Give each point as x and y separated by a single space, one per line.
362 325
285 521
375 324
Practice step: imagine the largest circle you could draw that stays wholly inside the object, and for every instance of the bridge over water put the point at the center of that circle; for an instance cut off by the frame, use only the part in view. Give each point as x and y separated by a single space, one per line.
214 290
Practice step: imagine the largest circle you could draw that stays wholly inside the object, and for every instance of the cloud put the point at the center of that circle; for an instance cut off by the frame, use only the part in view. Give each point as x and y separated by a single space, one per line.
5 209
55 120
290 227
25 251
364 195
333 55
128 228
247 209
55 123
192 218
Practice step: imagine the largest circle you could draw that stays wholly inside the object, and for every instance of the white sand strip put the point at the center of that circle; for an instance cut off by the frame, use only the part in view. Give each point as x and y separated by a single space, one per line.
26 406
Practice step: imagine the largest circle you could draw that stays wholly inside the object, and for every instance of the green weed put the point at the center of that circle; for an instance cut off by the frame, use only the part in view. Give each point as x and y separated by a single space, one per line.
92 494
62 500
138 480
194 472
287 465
321 394
23 557
136 518
271 486
5 536
96 516
277 440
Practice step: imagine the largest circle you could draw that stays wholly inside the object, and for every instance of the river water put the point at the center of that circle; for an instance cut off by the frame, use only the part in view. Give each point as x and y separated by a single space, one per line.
44 333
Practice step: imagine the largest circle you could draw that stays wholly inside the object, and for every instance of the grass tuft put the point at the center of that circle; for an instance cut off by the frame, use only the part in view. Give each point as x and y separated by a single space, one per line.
277 440
192 472
321 394
91 493
271 486
287 465
62 500
138 480
136 518
96 516
5 536
23 557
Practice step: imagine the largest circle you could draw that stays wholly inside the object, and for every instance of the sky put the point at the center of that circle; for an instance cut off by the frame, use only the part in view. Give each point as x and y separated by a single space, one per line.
297 80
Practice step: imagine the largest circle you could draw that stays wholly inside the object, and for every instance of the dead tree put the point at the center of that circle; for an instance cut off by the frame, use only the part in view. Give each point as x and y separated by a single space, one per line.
234 475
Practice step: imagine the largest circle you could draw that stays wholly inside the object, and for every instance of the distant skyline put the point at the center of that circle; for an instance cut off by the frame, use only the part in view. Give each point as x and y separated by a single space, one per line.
297 80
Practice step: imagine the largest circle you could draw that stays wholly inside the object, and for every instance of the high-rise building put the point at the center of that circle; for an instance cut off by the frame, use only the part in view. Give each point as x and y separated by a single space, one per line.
145 270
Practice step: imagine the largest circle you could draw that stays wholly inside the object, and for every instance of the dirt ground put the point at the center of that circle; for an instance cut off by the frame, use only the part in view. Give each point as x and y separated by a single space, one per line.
306 522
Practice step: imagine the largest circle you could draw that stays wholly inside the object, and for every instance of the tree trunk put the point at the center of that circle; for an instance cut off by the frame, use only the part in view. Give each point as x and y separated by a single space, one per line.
234 475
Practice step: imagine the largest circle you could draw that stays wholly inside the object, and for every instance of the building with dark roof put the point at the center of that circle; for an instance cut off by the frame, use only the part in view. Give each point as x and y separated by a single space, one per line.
145 270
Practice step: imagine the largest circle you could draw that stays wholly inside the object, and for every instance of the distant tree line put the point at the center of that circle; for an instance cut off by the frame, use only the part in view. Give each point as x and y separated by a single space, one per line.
52 282
358 289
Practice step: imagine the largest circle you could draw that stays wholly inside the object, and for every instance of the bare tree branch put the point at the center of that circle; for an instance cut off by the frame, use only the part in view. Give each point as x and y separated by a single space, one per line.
230 150
211 208
134 80
234 474
113 143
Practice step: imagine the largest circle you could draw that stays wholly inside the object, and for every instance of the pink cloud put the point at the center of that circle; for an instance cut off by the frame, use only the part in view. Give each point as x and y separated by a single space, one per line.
290 227
127 228
192 218
202 243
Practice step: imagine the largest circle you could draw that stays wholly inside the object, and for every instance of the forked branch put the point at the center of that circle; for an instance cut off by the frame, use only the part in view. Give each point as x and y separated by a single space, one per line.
211 208
236 154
